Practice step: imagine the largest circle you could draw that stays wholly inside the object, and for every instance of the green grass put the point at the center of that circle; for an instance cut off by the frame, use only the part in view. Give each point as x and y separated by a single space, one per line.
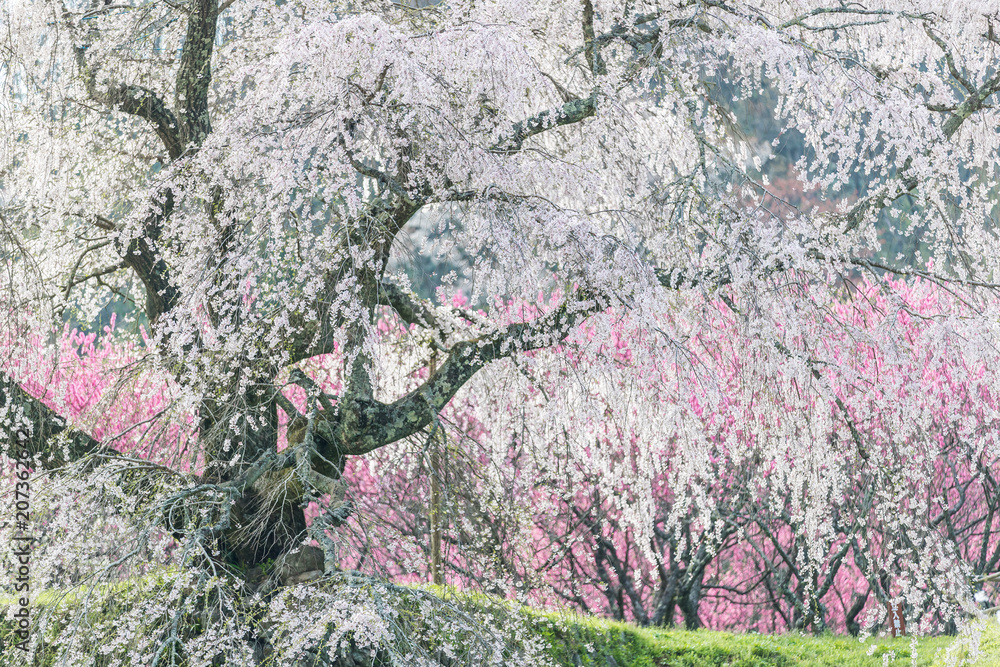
579 640
989 648
575 640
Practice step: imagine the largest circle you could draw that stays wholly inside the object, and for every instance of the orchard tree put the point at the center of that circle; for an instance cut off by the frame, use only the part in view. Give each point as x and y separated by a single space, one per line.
733 546
244 172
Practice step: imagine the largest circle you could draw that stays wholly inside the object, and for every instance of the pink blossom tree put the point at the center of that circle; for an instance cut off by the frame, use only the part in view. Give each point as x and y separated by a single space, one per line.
750 563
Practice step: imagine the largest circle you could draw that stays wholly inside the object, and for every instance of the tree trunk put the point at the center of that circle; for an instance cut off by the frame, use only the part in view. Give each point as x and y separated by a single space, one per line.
690 601
437 576
851 618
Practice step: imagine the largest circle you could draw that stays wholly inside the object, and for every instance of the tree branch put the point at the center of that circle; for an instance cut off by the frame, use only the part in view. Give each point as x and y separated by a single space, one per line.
567 114
591 48
410 309
361 426
644 30
74 281
141 257
950 61
32 425
973 102
135 101
880 16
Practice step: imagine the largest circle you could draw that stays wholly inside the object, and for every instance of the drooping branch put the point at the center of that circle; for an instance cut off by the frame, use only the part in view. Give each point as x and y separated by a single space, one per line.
678 278
975 100
646 29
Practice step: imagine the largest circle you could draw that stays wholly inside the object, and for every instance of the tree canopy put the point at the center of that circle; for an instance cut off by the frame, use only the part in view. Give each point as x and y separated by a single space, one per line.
241 180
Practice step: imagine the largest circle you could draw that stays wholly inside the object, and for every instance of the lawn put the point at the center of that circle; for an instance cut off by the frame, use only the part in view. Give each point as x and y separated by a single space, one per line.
576 640
579 640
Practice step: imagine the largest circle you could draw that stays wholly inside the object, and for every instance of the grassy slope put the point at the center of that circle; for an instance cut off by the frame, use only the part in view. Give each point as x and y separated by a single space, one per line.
575 640
614 644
